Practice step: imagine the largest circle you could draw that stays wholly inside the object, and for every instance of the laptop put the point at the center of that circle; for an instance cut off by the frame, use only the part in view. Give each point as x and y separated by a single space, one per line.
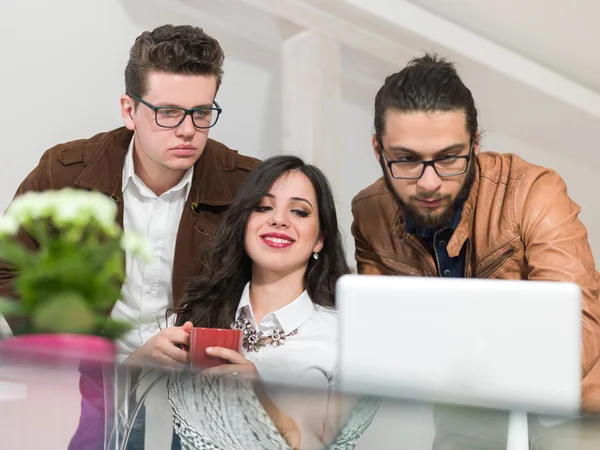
502 344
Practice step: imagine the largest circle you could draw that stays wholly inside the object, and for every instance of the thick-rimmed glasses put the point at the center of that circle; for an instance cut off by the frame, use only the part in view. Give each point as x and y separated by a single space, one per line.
448 166
173 116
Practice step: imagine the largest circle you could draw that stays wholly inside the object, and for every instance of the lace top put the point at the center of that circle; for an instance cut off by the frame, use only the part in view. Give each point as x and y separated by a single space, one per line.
219 413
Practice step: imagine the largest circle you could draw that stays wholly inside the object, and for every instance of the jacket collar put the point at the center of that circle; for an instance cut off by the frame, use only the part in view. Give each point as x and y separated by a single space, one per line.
104 171
103 161
208 186
290 317
463 230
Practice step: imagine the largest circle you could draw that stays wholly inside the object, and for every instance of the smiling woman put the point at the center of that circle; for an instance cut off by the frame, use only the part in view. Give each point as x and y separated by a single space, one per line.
283 231
271 271
283 215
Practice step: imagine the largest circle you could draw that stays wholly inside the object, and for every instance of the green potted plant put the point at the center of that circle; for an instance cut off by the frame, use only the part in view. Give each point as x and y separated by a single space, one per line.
68 283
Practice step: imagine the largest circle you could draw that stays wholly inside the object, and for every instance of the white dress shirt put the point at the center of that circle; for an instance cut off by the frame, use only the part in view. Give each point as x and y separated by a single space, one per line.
147 291
307 359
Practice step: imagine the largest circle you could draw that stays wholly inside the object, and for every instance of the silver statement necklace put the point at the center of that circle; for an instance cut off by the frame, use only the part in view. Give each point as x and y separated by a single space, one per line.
254 340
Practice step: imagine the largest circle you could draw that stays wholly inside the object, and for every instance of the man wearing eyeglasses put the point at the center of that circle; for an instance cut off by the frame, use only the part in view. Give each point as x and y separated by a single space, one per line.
444 209
169 180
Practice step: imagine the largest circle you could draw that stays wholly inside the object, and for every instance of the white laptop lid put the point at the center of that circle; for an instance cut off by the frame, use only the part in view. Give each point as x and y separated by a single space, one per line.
491 343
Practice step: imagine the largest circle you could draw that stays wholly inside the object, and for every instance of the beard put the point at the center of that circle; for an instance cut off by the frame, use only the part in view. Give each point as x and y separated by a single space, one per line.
433 219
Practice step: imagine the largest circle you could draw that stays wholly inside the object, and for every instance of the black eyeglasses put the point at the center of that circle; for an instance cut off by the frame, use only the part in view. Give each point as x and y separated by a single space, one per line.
173 116
448 166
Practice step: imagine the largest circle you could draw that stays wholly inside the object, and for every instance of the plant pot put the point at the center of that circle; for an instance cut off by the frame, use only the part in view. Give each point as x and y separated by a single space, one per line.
50 367
58 349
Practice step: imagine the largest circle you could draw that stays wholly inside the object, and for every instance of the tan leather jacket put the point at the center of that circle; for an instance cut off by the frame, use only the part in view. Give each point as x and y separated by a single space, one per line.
517 223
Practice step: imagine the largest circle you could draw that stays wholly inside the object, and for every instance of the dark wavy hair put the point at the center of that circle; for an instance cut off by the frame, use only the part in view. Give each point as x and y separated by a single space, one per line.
212 297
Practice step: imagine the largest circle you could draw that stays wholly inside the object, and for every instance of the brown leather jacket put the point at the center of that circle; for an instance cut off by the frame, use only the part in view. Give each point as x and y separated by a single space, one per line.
517 223
97 164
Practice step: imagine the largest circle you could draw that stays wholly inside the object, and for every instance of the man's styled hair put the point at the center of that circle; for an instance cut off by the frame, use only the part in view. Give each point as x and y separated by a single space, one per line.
181 50
426 84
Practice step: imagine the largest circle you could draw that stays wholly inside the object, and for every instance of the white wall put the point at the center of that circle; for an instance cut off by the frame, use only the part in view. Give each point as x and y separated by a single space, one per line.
63 74
59 77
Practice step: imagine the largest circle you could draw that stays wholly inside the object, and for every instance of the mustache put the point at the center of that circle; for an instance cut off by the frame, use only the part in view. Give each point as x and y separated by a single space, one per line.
429 197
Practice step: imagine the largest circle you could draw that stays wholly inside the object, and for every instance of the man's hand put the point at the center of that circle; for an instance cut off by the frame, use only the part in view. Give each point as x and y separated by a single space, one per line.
162 349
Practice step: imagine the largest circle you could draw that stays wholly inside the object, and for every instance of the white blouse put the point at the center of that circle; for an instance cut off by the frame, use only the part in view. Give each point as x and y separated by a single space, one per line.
224 413
297 375
307 360
310 356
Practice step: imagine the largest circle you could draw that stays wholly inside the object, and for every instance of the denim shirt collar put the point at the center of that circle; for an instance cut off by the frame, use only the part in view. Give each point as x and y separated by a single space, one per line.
429 232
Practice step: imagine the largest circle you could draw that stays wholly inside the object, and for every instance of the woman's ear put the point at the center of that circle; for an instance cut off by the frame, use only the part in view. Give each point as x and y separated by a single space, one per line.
320 243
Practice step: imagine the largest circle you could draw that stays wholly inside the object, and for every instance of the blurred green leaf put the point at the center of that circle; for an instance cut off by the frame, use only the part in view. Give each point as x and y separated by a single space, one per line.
16 254
114 329
66 312
9 307
40 230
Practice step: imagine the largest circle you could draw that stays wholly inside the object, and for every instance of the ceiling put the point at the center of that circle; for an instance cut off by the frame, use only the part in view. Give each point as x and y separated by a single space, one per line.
562 36
534 76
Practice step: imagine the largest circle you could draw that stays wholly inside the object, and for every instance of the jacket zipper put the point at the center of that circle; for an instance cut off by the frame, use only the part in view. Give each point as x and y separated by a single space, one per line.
496 265
437 258
423 253
468 260
403 269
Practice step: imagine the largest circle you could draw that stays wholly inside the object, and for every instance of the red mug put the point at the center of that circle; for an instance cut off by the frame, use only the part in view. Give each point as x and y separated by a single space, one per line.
202 338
